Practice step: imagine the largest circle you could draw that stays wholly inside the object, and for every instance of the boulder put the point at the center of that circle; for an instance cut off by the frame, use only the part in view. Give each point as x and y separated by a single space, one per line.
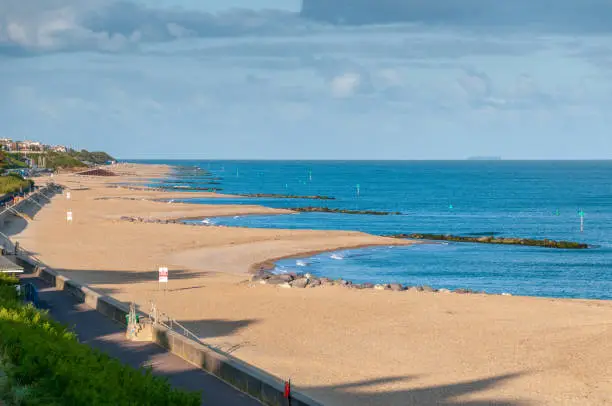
261 275
275 280
462 291
300 283
427 288
413 289
286 277
314 283
368 285
396 287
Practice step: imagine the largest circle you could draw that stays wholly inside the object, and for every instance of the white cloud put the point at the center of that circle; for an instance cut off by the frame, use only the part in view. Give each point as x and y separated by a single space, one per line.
345 85
265 85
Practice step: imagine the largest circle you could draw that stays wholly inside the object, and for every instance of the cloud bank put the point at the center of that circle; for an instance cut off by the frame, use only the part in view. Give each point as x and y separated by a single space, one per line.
556 15
145 81
109 25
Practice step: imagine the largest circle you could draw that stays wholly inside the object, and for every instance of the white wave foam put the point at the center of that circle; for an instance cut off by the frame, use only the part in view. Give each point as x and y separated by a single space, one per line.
336 257
301 263
279 270
208 222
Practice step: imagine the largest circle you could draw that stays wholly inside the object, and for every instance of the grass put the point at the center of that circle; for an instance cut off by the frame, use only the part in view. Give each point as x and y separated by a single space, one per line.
95 157
62 160
11 161
14 183
46 365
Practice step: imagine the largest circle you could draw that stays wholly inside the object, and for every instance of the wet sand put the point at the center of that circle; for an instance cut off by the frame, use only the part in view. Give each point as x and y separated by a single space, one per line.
341 346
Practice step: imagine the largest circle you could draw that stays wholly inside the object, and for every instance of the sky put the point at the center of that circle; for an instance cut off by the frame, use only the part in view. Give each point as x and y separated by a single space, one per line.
238 79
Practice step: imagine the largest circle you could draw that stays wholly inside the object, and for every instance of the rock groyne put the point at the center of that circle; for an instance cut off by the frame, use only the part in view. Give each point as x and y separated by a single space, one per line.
311 209
281 196
495 240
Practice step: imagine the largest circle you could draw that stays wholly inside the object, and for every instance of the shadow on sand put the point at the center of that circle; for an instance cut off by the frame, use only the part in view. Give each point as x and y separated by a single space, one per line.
119 277
447 395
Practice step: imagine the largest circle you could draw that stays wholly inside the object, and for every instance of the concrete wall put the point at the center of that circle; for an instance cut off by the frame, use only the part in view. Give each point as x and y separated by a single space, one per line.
249 379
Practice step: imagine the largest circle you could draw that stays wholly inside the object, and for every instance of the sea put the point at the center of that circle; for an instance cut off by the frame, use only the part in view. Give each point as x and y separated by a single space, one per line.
528 199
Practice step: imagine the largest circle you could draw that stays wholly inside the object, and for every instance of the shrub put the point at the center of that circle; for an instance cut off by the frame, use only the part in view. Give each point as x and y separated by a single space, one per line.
13 183
8 280
46 364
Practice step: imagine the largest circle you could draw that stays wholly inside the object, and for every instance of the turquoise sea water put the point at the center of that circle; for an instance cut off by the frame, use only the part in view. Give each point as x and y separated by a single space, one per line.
507 198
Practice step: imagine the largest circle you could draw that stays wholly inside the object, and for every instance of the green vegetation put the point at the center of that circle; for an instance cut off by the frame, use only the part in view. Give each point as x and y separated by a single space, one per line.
62 160
11 161
46 365
497 240
14 183
95 157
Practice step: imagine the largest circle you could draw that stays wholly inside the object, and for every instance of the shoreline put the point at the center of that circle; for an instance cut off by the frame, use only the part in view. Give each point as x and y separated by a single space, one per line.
270 264
267 265
337 345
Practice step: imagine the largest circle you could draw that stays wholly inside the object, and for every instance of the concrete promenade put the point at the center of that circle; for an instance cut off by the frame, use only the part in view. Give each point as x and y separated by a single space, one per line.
96 330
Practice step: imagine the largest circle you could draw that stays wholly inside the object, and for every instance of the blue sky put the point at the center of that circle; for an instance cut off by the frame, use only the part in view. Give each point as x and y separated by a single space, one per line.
250 79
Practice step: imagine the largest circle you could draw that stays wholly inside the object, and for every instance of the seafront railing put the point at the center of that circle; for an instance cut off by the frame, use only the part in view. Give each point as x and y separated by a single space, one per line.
165 320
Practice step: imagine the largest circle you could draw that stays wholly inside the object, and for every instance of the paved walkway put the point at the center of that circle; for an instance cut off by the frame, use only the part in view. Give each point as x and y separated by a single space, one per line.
100 332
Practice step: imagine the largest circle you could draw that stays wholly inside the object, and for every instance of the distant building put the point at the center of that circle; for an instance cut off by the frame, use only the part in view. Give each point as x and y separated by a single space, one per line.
58 148
30 146
6 143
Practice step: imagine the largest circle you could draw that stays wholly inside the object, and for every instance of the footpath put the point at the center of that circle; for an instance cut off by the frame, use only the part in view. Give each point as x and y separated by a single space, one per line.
99 332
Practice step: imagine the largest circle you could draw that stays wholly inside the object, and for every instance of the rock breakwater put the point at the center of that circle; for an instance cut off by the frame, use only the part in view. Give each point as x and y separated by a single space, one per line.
280 196
311 209
495 240
305 280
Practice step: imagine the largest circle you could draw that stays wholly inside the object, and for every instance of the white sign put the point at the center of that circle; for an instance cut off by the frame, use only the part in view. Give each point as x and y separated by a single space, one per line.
68 195
69 216
163 275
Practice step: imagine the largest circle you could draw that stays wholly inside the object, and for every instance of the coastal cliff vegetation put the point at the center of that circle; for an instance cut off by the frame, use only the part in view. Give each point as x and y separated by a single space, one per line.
13 183
11 161
44 364
94 157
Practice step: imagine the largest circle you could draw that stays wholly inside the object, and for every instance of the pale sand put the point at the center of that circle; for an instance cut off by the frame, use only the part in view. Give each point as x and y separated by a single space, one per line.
341 346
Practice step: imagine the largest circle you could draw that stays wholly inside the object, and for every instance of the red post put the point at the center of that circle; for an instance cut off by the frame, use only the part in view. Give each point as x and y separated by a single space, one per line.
288 389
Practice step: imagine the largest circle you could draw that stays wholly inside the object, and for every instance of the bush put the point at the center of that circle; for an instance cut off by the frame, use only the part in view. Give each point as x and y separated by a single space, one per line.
11 161
95 157
57 160
13 183
45 364
6 280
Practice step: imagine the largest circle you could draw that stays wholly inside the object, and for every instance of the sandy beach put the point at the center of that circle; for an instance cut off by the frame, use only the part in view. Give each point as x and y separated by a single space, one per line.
340 346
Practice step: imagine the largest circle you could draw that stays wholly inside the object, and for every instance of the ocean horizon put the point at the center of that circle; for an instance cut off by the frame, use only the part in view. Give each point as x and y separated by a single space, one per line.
508 198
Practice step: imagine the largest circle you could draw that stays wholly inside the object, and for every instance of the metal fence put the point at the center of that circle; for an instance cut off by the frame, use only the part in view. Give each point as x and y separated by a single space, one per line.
165 320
